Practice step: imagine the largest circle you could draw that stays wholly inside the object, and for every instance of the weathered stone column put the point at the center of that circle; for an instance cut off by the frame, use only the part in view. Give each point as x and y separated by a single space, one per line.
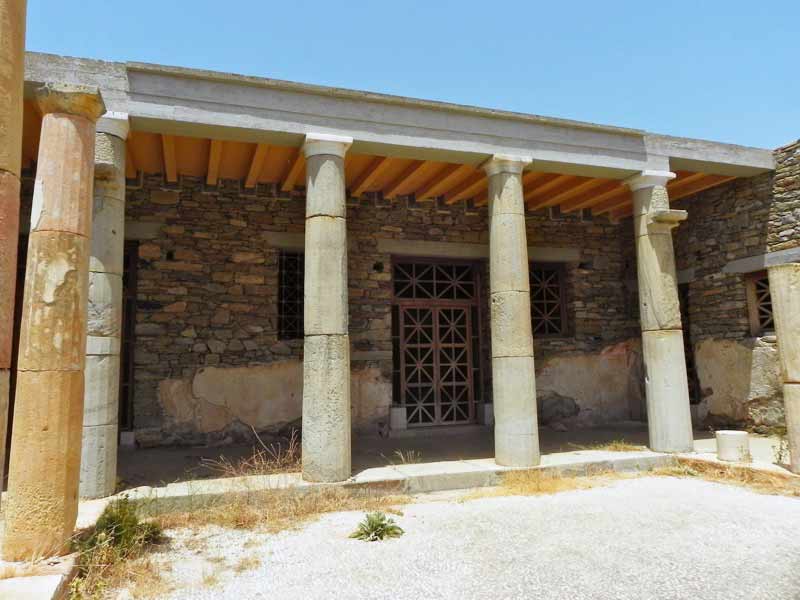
784 288
12 67
666 385
326 353
48 412
516 433
101 398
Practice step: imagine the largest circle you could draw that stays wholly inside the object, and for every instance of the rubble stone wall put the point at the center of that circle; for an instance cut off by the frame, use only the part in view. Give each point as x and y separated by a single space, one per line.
209 364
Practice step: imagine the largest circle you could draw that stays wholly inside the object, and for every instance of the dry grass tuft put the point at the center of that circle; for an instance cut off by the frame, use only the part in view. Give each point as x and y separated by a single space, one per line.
249 563
537 482
758 481
280 510
30 568
210 579
619 445
266 460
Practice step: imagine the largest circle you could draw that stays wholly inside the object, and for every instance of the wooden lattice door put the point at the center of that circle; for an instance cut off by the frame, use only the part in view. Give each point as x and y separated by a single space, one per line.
436 342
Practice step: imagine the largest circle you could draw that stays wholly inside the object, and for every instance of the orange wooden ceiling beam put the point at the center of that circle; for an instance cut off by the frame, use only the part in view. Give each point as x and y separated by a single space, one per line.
374 170
256 165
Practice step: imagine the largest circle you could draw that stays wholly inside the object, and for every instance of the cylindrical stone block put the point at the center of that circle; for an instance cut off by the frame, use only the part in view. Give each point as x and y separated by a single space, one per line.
325 276
659 306
325 186
326 408
9 240
105 305
511 324
98 460
733 446
53 329
102 386
108 234
784 289
513 375
515 421
791 406
668 415
45 460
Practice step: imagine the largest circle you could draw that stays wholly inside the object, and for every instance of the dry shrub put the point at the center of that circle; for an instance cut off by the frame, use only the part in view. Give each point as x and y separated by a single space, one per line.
278 510
759 481
266 460
619 445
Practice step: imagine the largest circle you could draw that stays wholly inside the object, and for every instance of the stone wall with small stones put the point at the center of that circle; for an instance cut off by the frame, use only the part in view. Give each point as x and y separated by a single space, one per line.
208 280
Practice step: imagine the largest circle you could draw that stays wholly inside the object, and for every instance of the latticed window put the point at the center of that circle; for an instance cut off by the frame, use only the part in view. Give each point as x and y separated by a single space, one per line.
435 281
759 303
548 309
290 295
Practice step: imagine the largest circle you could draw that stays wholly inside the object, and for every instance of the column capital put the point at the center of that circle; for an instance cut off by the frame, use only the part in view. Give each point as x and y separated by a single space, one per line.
505 163
326 143
114 123
79 100
647 179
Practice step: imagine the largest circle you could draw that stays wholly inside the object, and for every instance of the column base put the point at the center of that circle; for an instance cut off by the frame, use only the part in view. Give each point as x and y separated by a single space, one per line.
326 408
669 418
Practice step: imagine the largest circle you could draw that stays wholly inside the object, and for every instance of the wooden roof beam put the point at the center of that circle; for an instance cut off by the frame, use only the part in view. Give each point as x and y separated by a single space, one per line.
442 181
374 170
593 196
170 164
214 158
575 190
542 196
293 173
256 165
411 171
544 184
468 188
697 185
619 198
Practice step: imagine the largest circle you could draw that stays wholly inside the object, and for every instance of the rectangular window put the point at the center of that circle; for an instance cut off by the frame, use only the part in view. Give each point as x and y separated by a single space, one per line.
548 306
290 295
759 303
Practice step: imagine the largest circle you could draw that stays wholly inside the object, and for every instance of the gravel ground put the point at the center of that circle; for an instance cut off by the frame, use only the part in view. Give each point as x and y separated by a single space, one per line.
649 538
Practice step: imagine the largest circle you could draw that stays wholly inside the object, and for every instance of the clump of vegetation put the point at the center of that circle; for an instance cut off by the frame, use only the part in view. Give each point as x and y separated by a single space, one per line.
756 480
267 459
377 526
619 445
112 555
409 457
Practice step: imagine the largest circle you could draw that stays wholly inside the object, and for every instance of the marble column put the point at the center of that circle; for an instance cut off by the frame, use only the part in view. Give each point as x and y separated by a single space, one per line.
666 385
12 67
516 432
326 350
101 398
46 440
784 289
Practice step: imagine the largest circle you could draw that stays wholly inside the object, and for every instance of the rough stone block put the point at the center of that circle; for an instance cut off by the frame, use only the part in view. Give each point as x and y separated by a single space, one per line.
511 324
104 314
658 285
42 504
53 332
326 408
325 281
668 415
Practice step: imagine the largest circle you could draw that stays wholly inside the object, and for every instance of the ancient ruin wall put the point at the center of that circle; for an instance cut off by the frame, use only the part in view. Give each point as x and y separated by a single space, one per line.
738 373
208 360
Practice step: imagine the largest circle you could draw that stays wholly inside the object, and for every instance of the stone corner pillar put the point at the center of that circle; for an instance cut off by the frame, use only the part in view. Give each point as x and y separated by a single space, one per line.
46 440
104 324
666 384
12 76
784 289
326 349
516 429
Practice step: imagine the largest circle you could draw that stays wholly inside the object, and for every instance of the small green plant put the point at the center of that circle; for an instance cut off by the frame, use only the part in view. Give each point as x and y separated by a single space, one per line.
118 536
376 526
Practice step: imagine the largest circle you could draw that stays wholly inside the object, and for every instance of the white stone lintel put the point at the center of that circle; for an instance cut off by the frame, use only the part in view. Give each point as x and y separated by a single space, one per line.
506 163
647 179
326 143
114 123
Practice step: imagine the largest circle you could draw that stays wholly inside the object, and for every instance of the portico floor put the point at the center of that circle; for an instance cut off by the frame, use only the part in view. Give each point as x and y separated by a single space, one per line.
157 466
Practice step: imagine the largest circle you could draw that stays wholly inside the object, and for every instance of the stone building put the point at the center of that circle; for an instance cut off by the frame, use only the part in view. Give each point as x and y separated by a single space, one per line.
261 254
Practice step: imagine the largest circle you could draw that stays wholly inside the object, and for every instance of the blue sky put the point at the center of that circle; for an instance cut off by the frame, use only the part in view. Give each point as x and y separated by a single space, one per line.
720 70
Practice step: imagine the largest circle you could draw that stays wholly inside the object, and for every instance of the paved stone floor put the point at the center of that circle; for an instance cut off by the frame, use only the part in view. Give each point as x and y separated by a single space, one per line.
156 466
645 538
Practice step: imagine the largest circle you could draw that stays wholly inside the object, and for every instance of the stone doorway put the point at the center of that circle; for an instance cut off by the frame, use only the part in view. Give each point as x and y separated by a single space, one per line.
436 341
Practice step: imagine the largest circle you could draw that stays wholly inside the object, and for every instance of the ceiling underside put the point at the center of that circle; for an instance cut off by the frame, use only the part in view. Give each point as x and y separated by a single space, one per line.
253 164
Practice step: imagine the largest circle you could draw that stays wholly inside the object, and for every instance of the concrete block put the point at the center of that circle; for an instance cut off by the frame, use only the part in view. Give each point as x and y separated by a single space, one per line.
733 446
326 408
99 461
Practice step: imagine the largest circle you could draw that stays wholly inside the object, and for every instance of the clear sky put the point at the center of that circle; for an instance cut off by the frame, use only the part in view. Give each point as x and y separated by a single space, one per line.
724 70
